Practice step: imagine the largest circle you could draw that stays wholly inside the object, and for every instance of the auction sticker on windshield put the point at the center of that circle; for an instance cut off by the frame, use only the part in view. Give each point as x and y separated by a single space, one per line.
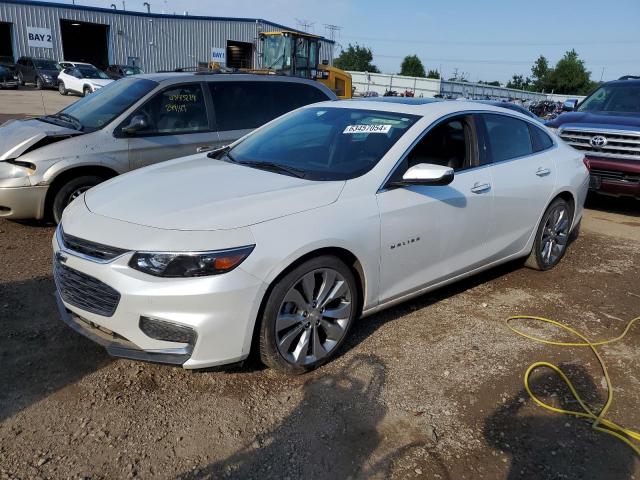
367 129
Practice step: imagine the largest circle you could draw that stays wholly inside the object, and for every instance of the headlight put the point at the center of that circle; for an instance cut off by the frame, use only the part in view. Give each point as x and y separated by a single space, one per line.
46 77
189 264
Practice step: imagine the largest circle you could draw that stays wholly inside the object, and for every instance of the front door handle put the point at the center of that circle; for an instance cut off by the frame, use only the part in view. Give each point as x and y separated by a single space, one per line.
204 148
543 172
481 187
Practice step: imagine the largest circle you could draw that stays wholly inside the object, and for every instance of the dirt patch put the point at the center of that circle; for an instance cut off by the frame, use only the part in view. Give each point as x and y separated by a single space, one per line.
429 389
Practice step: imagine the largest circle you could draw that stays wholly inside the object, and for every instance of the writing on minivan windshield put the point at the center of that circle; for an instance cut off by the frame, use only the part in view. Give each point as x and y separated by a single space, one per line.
324 143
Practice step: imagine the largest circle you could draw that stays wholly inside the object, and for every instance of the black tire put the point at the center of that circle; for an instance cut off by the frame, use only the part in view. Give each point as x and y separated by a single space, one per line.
39 84
20 79
67 193
61 89
560 239
86 91
269 353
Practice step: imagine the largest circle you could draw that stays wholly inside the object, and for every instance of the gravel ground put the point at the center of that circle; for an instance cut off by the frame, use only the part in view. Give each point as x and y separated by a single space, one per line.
429 389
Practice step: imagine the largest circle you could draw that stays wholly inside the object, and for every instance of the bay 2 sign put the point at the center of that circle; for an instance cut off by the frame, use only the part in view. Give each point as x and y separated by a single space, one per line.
39 37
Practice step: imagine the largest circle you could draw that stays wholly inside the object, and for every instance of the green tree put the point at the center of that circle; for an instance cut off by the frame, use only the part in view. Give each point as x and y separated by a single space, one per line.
540 73
412 67
570 75
357 59
519 82
433 74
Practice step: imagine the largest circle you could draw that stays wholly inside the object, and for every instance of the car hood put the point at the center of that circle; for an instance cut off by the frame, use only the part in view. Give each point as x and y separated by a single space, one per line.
613 120
198 193
19 136
99 81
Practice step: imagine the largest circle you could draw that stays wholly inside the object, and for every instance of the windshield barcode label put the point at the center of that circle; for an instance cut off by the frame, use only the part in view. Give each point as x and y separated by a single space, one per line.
367 129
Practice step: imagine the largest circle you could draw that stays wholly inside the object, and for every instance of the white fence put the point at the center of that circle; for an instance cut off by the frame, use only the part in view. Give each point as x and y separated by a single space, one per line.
429 87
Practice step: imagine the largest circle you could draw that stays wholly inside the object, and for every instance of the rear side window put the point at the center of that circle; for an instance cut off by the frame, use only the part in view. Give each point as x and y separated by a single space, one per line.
248 105
541 140
508 137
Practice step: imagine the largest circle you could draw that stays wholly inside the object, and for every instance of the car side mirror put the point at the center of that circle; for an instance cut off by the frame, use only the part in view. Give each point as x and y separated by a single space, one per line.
569 105
137 123
427 174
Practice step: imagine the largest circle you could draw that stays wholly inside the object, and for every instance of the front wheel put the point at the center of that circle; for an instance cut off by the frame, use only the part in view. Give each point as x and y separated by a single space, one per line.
70 191
308 315
39 84
552 236
86 91
21 79
62 89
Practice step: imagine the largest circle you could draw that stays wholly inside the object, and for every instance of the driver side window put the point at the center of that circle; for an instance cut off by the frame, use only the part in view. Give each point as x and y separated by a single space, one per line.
449 143
176 110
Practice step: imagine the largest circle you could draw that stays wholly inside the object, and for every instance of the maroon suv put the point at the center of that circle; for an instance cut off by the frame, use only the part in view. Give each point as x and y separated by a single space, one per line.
606 127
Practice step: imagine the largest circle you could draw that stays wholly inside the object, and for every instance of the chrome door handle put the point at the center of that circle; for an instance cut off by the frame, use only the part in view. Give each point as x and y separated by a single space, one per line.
541 172
481 187
204 148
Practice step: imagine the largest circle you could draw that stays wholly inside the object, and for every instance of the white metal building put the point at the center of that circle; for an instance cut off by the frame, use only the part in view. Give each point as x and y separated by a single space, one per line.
113 36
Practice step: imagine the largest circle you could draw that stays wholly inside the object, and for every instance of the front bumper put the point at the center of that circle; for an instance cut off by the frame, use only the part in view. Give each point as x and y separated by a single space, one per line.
22 203
615 177
9 83
221 309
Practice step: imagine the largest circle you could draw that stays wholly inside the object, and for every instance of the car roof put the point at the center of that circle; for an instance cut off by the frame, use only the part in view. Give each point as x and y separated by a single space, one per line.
420 107
402 100
170 78
629 81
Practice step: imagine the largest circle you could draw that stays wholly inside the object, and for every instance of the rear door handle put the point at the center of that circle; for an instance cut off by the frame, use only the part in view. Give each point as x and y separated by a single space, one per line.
481 187
542 172
204 148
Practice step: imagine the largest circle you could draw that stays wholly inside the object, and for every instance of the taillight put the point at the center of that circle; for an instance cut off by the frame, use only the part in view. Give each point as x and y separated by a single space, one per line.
586 163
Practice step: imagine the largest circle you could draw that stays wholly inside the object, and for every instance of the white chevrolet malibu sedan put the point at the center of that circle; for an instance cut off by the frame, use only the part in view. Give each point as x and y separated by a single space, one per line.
280 241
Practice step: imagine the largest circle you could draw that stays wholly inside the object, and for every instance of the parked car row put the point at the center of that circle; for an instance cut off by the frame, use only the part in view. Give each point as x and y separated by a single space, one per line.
66 76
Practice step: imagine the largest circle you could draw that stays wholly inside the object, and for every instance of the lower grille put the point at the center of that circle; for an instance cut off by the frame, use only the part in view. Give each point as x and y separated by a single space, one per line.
84 291
617 176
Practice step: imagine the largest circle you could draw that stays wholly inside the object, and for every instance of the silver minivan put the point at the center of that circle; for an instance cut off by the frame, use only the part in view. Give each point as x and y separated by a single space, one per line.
46 162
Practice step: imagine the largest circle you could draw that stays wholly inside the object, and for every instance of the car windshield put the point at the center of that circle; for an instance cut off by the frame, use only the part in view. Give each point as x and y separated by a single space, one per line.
96 110
621 98
324 143
93 73
132 71
46 64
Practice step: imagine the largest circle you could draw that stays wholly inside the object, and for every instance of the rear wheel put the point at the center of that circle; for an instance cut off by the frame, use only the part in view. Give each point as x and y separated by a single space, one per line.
39 84
552 236
62 89
86 91
308 315
71 190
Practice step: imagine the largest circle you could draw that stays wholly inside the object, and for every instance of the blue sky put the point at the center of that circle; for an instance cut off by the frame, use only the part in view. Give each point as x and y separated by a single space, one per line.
489 40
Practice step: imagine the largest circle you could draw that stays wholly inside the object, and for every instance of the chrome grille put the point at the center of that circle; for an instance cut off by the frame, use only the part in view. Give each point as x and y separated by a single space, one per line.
620 144
84 291
616 175
87 248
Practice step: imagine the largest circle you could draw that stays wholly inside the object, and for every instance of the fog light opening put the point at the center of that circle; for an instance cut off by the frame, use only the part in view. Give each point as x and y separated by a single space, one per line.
167 331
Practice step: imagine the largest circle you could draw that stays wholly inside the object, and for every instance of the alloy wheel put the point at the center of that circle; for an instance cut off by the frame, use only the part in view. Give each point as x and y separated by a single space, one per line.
313 317
555 235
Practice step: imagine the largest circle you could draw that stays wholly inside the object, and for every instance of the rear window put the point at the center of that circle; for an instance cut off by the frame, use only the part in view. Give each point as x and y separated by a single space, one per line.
325 143
248 105
540 139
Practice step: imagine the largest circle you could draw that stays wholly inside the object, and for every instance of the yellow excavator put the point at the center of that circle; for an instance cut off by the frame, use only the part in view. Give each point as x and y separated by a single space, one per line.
297 54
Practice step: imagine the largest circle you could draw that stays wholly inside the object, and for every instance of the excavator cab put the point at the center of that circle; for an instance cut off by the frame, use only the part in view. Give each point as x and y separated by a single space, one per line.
297 54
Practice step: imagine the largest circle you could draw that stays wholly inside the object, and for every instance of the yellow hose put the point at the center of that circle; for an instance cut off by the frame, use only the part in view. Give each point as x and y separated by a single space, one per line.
598 421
